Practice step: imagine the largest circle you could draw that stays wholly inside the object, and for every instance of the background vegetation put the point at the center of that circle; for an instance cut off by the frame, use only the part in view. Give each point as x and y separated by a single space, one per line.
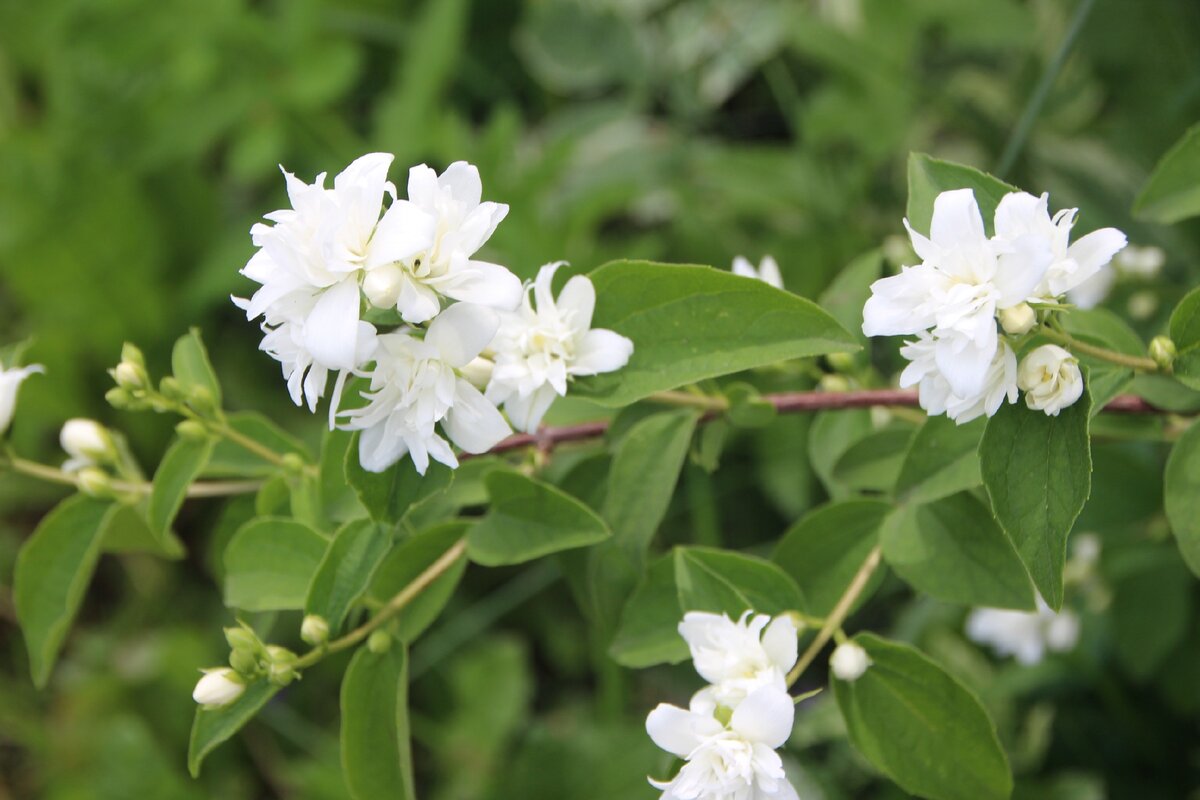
140 140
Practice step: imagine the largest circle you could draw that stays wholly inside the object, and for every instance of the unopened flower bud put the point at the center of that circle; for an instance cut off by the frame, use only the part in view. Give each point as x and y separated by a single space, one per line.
293 463
314 630
201 398
382 285
242 638
379 642
280 655
834 383
219 687
191 430
849 661
1162 351
131 354
94 482
1018 319
87 442
129 376
243 661
842 362
169 387
1050 378
478 371
1143 304
281 674
119 398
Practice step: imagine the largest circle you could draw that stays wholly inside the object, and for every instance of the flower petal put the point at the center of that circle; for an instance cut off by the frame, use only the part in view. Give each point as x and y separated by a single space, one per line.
956 220
462 331
473 423
578 298
486 284
766 715
679 731
601 350
331 330
965 363
405 230
464 183
781 643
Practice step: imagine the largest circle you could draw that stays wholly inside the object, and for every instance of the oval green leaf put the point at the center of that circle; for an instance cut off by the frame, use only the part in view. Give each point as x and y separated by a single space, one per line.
180 466
212 726
346 570
408 560
1181 495
723 581
270 563
376 754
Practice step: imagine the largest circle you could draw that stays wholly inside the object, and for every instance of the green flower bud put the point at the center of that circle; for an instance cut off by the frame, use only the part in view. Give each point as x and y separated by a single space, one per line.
242 638
379 642
132 355
281 674
119 398
170 388
314 630
280 655
94 482
192 430
1162 351
244 662
201 398
834 383
842 362
294 463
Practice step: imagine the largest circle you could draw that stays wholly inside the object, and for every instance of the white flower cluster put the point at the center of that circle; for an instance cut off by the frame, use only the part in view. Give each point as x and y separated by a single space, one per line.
729 733
1024 635
338 251
969 286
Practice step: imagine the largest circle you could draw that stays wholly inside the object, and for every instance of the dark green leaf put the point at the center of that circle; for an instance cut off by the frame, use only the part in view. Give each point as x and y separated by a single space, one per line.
408 560
1101 327
953 550
376 754
231 460
1151 609
179 467
1172 193
389 495
1038 474
846 295
127 531
942 460
831 435
921 727
270 563
346 570
212 726
928 177
649 628
689 323
825 549
873 462
1185 332
529 519
52 572
724 581
1181 491
339 501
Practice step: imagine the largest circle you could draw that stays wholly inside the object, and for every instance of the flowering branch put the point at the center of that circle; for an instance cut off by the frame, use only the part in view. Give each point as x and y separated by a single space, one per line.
834 621
1112 356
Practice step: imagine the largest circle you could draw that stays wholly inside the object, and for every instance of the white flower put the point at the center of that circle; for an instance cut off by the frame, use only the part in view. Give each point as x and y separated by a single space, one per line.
1022 634
86 442
219 687
963 280
734 762
309 265
1093 291
936 395
538 350
1021 215
415 386
1140 261
437 230
1050 378
849 661
10 383
738 658
767 272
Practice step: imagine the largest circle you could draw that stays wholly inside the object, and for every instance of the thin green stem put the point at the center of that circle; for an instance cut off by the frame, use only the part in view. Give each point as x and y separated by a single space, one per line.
51 474
1112 356
390 609
689 400
1016 142
840 611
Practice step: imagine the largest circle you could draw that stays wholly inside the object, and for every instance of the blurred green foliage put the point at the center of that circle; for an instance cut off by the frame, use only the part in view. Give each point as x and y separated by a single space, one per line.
140 140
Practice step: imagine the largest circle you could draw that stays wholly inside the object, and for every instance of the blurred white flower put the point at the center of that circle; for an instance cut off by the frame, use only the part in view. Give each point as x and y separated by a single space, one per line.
539 349
219 687
1021 215
963 280
936 395
1026 636
767 271
849 662
738 658
1144 261
11 379
1050 378
433 236
87 443
415 386
733 762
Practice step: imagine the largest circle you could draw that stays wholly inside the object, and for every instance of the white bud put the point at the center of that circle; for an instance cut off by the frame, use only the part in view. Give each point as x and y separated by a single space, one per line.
314 629
478 371
382 285
87 442
129 376
1018 319
849 661
219 687
1050 378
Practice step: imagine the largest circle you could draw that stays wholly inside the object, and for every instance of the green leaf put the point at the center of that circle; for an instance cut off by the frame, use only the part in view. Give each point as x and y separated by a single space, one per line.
1038 474
649 630
642 478
928 177
942 460
179 467
689 323
346 570
1181 495
1172 193
52 572
1185 332
831 435
376 754
270 563
529 519
826 547
191 367
1101 327
231 460
953 550
724 581
921 727
126 530
1151 607
849 290
212 726
339 501
390 494
408 560
873 462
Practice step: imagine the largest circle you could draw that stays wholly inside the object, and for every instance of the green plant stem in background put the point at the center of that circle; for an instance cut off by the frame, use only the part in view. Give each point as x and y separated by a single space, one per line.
1016 142
703 402
390 609
1139 363
51 474
834 621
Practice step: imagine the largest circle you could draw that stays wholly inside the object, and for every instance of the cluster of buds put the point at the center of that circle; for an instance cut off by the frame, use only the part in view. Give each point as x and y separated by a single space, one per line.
135 391
249 660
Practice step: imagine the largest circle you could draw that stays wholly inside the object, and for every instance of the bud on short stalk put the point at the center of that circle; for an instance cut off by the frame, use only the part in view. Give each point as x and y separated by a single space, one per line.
842 362
379 642
1018 319
87 442
129 376
94 482
834 383
191 430
1162 351
219 687
849 661
314 630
